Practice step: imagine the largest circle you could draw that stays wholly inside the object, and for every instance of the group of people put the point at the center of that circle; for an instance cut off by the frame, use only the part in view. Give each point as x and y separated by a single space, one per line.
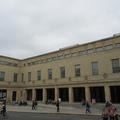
109 112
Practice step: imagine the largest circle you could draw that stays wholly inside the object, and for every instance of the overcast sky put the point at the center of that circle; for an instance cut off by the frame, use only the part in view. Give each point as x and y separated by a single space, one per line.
33 27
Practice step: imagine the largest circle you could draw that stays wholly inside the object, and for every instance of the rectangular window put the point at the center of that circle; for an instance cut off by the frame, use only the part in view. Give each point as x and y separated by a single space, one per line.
22 77
89 51
2 76
82 52
29 76
77 70
49 73
115 65
15 77
62 72
95 70
108 47
117 45
38 75
99 49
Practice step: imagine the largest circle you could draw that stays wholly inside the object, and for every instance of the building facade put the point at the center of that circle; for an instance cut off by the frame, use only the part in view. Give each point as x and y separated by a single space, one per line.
81 72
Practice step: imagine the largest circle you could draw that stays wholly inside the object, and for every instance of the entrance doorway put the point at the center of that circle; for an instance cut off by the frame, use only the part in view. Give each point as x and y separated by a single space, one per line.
29 94
115 95
98 94
39 94
14 94
64 94
50 94
78 94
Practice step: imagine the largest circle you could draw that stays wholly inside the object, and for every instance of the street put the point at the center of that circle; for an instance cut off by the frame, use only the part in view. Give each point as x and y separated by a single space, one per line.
39 116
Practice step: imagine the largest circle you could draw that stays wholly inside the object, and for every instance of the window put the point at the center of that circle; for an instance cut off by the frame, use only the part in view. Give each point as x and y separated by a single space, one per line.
29 76
115 65
62 72
99 49
117 45
89 51
77 70
38 75
15 77
82 52
2 76
108 47
22 77
95 70
49 73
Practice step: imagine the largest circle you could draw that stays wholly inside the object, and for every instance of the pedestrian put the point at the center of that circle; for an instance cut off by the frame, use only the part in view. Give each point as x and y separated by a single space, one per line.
88 107
113 113
58 105
33 105
3 109
105 112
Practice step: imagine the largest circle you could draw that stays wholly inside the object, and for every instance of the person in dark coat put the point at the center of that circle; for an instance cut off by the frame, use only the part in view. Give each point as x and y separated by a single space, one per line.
57 105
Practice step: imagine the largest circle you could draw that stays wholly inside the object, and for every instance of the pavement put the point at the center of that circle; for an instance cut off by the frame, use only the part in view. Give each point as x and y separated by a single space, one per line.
65 108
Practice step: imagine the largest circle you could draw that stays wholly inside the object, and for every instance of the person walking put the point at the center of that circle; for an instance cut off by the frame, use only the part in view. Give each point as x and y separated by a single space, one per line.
58 105
113 113
88 107
105 112
33 105
3 109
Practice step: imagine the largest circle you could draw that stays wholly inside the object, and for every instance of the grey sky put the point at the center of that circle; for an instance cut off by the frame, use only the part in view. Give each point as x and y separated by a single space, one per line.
34 27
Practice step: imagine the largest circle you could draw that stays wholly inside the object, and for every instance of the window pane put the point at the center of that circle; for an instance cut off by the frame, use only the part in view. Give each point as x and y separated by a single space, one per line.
118 45
22 77
115 65
77 70
95 68
2 76
62 72
15 77
29 76
99 49
108 47
39 75
49 73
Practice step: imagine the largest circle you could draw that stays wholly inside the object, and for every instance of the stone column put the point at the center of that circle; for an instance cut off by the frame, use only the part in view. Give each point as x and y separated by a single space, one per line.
70 95
33 94
44 95
87 93
24 96
9 95
18 97
56 93
107 93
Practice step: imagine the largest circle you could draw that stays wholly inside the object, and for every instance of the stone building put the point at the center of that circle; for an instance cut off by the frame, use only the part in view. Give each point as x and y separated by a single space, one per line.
88 71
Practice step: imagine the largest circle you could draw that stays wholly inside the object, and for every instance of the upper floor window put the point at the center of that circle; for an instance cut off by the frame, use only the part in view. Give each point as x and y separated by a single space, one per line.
89 51
38 75
95 70
118 45
116 65
2 76
108 47
29 76
49 73
83 52
62 72
22 77
77 70
15 77
99 49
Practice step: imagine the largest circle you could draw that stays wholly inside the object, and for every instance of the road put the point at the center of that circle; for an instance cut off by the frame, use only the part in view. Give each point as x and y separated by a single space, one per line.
38 116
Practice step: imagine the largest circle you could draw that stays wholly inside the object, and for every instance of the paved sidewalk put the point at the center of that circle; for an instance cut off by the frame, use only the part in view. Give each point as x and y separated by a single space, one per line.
64 108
